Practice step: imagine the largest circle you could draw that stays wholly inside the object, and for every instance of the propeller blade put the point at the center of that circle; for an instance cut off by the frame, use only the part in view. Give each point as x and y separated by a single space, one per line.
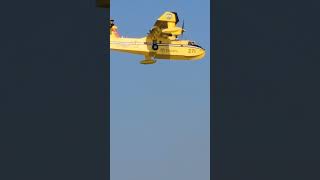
183 26
183 30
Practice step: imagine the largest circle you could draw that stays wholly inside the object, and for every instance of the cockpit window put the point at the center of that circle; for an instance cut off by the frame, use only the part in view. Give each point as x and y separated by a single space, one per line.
192 43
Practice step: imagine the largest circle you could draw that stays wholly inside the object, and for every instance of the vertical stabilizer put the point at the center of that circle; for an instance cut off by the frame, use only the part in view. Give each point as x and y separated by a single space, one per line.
113 30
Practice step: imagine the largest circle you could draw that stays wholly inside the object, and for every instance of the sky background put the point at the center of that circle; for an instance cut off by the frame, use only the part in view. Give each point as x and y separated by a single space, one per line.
160 114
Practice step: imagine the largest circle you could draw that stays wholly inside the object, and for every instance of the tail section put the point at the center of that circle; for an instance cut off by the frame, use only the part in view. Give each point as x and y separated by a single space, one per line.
113 30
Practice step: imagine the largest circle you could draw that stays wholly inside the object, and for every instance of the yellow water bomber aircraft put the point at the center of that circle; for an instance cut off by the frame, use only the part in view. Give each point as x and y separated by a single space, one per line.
160 43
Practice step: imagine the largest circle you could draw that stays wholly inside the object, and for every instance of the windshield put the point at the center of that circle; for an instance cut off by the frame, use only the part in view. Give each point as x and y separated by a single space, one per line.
192 43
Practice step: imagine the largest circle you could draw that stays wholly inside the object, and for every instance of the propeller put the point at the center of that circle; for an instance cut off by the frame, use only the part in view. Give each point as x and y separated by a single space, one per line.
183 30
183 25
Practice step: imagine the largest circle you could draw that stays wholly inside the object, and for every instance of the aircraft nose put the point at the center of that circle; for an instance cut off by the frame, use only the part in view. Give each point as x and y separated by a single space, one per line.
201 54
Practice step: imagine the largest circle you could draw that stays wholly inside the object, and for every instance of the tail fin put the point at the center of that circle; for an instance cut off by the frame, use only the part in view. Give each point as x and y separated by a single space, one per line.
113 30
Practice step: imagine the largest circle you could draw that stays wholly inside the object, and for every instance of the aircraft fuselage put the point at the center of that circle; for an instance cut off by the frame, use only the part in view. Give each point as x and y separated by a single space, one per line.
160 49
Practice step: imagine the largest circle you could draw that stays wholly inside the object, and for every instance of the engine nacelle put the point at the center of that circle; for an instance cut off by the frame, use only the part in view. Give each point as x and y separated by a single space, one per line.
174 31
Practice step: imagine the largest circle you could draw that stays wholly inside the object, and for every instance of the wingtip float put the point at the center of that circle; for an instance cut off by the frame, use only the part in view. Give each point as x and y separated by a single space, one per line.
161 42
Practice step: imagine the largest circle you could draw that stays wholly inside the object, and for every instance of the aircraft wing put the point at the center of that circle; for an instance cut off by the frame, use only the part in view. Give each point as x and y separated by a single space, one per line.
165 26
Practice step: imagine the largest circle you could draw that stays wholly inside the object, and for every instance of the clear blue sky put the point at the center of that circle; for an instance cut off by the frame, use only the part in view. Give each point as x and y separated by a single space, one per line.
160 113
